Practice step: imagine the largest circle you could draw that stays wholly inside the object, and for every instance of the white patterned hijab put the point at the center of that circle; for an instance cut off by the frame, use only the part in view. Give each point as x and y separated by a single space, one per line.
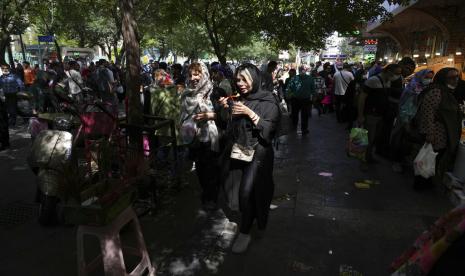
196 100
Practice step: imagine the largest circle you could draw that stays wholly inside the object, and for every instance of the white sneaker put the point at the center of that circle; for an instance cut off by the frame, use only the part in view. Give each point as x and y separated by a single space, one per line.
241 243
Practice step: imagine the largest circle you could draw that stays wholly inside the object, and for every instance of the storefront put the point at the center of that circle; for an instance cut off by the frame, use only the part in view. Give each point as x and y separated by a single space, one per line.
432 32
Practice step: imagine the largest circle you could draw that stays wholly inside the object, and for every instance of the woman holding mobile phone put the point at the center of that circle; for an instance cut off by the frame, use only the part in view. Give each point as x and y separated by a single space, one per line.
247 168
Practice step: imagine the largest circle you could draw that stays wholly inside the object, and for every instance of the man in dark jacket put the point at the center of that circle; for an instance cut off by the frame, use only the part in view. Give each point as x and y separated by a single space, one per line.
301 88
10 85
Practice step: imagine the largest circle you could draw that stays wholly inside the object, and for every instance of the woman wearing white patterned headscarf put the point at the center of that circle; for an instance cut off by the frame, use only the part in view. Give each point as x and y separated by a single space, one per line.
199 131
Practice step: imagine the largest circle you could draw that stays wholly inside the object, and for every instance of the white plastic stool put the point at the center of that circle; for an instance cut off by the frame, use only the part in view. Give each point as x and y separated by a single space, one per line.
110 243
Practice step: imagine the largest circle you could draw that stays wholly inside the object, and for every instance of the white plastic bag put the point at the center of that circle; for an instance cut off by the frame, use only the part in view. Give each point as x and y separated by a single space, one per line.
425 162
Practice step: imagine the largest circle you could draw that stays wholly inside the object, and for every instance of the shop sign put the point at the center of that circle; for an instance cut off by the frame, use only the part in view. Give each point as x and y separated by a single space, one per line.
370 48
334 56
349 34
45 38
370 42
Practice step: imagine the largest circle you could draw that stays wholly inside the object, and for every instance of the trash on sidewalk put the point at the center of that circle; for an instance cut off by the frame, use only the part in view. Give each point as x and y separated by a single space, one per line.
330 252
362 185
311 215
285 197
272 206
325 174
300 267
346 193
371 182
347 270
366 184
334 219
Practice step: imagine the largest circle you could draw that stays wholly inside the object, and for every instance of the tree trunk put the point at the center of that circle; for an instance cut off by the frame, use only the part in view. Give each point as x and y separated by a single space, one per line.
109 52
222 59
3 43
115 50
58 49
23 51
10 54
133 81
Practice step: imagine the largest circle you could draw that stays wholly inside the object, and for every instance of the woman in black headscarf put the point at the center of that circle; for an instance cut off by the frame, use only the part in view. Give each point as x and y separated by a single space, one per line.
248 162
440 118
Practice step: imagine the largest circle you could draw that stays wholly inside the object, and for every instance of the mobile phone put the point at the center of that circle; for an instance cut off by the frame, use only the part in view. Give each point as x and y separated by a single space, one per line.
233 97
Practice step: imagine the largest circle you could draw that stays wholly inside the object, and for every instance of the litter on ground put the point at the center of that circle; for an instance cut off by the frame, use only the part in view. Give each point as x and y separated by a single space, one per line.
325 174
300 267
346 270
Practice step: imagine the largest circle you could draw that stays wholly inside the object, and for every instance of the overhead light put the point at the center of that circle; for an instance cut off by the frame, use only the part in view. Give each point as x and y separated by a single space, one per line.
385 57
380 59
416 55
390 60
438 54
427 55
450 59
357 42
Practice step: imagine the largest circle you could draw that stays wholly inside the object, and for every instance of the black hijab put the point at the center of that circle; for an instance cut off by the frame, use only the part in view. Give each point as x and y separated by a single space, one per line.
441 76
257 93
258 100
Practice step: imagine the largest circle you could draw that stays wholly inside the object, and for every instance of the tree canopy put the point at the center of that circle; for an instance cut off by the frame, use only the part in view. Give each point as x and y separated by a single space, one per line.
191 28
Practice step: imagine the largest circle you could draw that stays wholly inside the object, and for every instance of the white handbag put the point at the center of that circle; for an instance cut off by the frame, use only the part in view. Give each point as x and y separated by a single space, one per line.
242 153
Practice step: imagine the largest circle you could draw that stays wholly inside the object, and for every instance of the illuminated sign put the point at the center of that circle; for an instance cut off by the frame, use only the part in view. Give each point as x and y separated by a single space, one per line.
370 42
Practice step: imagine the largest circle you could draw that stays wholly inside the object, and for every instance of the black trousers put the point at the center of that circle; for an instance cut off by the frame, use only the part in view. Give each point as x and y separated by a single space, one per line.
301 106
383 146
249 187
11 101
4 135
208 171
339 101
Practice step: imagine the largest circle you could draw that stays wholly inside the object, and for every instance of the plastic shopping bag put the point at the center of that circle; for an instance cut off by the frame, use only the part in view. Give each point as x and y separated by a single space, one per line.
358 143
425 162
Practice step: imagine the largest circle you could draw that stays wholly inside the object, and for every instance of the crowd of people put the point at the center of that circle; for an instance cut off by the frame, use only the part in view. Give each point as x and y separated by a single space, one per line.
401 107
227 117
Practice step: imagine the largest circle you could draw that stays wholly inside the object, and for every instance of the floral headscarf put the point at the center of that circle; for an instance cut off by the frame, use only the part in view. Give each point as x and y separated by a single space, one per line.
415 85
408 105
197 100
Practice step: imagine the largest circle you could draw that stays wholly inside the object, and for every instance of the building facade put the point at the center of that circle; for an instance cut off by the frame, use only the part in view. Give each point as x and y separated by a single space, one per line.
432 32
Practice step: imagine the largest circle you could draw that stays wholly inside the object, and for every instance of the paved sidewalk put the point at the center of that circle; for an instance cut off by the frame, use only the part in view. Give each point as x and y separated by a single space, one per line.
321 223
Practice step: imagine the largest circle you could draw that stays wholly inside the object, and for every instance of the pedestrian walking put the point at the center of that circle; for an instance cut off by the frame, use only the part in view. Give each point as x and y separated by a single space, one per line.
10 85
342 79
373 104
247 168
440 121
200 133
74 80
302 88
320 91
106 84
269 76
29 76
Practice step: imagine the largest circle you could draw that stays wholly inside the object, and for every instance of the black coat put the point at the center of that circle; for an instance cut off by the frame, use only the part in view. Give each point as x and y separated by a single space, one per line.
242 130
